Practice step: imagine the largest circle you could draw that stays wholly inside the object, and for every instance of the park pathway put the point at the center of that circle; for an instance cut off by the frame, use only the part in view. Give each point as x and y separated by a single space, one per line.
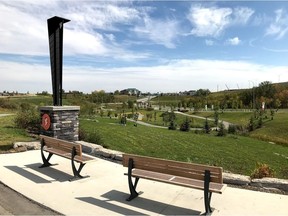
226 124
2 115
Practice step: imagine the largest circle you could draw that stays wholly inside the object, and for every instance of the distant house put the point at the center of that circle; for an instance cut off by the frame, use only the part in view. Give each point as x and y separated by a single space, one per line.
130 91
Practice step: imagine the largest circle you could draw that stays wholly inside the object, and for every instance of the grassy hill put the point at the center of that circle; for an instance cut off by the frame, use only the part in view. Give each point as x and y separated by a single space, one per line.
237 154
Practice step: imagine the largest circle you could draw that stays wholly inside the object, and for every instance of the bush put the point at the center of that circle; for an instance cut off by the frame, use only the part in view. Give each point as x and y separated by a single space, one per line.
207 126
185 126
6 104
261 171
28 119
232 129
94 137
172 125
251 125
222 131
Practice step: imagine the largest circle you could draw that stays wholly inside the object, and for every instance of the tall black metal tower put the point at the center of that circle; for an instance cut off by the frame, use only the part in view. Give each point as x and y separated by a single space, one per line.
55 33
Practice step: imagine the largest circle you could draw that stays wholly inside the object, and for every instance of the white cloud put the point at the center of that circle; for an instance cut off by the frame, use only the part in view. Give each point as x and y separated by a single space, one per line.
162 32
174 76
233 41
212 21
279 26
209 21
241 15
26 31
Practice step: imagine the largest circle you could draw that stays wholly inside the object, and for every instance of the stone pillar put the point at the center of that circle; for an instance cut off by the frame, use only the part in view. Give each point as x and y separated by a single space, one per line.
60 122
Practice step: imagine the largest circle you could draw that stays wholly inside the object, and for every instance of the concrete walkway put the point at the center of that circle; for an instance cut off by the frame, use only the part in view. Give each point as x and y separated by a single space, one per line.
105 191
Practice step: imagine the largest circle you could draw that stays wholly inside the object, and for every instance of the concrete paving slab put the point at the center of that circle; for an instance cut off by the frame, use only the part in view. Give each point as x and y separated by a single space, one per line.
106 190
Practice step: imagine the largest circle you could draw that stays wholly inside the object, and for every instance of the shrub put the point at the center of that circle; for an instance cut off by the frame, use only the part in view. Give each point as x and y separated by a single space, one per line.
232 129
207 126
94 137
6 104
251 125
28 119
185 126
261 171
222 131
172 125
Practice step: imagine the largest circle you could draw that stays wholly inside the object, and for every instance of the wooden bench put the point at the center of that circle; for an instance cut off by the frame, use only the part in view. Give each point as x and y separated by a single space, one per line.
69 150
202 177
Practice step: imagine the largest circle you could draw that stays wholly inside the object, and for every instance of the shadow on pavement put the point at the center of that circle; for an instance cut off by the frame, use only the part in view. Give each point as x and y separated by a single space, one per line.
48 171
148 204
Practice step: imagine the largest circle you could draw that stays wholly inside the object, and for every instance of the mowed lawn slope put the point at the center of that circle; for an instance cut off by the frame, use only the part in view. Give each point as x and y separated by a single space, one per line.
237 154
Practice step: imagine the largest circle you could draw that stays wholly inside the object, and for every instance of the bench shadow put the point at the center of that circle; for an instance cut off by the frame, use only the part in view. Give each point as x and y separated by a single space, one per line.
55 174
106 204
25 173
51 172
149 205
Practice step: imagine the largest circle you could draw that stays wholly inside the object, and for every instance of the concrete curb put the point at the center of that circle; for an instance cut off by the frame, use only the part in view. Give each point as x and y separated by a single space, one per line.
116 156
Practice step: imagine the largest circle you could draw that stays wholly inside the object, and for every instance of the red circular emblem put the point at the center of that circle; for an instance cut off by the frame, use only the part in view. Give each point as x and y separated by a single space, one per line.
46 122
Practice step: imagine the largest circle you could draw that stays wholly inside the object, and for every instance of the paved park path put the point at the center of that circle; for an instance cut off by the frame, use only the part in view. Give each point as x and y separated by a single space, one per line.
226 124
2 115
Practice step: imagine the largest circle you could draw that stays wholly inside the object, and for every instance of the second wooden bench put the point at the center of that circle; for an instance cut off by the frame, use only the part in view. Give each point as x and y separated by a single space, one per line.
197 176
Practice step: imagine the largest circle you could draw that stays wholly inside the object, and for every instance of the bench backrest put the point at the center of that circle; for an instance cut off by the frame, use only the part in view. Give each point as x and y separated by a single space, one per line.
189 170
63 145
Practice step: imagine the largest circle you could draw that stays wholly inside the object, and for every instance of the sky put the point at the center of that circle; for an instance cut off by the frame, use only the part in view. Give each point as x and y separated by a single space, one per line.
154 46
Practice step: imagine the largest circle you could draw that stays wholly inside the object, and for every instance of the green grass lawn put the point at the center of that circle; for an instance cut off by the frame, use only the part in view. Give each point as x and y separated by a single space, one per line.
9 134
275 130
194 122
237 154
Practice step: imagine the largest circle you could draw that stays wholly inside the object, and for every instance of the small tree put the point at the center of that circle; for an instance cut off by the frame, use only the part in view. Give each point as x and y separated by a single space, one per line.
272 113
232 129
216 119
172 125
222 131
185 126
207 127
251 125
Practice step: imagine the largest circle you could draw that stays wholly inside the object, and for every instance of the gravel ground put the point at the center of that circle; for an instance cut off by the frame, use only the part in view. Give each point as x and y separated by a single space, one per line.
14 203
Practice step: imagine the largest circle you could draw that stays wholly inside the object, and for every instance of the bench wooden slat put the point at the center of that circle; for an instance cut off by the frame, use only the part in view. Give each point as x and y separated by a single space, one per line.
183 169
64 148
176 180
61 144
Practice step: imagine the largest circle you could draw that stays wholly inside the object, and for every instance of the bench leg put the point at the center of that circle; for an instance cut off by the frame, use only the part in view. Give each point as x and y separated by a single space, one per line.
207 194
132 186
76 171
45 160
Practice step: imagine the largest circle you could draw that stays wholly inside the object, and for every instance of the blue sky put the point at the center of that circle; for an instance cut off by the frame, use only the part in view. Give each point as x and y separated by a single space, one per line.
154 46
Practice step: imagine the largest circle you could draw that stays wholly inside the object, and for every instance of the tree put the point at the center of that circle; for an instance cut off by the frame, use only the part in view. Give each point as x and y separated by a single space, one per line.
185 126
216 118
172 125
202 92
130 104
265 89
207 127
222 131
251 125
